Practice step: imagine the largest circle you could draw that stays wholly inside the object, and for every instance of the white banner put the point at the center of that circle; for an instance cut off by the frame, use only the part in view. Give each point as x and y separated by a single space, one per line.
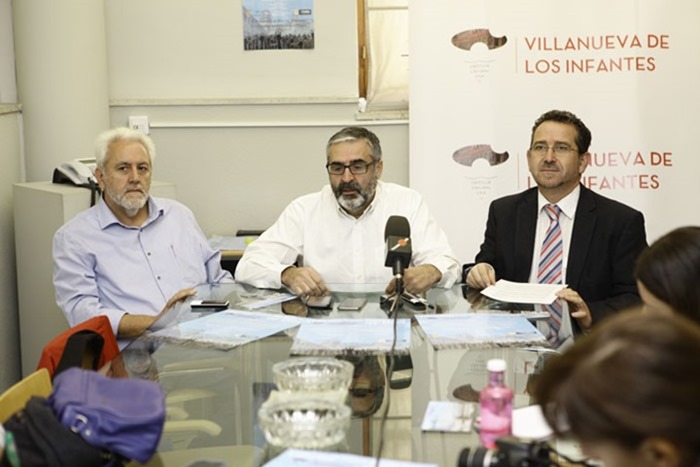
483 71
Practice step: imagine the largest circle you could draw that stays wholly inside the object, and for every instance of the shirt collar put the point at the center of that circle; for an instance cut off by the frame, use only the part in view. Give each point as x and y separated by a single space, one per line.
567 204
106 218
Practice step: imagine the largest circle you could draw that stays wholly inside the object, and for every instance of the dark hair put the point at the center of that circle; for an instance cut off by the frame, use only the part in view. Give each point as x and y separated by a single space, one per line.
583 134
633 378
354 133
670 269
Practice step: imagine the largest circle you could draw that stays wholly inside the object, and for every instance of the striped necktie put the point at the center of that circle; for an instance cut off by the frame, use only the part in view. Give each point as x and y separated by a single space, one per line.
550 268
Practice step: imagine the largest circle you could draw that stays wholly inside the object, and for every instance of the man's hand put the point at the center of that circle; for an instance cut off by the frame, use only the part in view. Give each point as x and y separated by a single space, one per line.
417 279
134 325
577 308
178 297
304 282
481 275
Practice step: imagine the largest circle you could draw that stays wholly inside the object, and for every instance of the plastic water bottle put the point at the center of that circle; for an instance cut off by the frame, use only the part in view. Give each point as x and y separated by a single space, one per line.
496 404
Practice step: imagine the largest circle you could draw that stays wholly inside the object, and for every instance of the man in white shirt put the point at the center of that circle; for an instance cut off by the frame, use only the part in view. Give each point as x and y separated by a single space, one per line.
336 236
130 257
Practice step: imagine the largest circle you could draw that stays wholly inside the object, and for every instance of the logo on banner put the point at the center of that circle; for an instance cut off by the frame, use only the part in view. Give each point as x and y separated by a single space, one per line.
465 39
470 154
550 54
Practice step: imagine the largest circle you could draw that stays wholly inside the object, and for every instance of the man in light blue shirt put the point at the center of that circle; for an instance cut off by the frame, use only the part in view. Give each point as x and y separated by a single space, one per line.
130 257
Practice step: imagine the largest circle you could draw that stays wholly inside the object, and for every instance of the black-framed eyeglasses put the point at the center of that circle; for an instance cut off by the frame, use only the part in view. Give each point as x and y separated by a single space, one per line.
560 149
356 167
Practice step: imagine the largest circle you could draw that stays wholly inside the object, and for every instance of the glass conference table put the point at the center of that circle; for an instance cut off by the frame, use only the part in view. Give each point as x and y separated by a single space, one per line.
213 395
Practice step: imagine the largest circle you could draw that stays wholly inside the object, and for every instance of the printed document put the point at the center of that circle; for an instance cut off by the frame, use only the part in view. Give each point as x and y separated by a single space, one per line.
523 292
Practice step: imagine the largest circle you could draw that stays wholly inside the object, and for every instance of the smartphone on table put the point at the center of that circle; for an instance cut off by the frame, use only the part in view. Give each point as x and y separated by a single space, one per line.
352 304
215 305
324 301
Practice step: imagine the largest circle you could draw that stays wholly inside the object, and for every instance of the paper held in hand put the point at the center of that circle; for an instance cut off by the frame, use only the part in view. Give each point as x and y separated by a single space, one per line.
523 292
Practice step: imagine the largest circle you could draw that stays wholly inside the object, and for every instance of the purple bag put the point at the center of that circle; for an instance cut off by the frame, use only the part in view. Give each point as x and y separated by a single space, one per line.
122 415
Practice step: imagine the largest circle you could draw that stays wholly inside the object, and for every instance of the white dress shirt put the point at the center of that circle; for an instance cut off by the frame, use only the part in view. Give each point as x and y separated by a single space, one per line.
345 250
566 223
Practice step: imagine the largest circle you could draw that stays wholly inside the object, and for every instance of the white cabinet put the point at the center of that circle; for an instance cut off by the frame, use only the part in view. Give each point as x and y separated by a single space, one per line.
40 208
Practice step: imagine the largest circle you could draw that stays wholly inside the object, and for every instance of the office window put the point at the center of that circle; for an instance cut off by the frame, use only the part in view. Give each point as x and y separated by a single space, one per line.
383 53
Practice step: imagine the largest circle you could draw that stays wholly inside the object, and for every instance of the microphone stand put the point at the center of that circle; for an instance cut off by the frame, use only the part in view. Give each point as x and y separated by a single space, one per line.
396 297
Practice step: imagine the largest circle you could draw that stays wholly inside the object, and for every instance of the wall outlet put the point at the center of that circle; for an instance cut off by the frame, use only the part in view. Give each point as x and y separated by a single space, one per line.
140 123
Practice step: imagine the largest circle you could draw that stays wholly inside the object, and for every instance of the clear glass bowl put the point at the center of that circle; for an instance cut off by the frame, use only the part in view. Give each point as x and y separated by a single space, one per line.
304 424
313 374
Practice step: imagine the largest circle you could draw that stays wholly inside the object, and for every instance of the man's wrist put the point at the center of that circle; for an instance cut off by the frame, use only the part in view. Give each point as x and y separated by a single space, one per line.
465 271
284 272
438 275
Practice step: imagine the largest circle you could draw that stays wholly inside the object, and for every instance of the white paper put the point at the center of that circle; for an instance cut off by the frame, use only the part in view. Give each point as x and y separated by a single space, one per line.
230 243
298 457
448 416
523 292
227 329
351 337
477 330
529 423
273 299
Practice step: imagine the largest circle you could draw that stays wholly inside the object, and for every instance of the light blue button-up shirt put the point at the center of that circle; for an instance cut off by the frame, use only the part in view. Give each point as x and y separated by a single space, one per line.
102 267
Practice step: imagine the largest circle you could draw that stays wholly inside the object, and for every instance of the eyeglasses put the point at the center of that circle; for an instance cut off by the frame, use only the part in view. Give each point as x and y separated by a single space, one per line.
356 167
560 149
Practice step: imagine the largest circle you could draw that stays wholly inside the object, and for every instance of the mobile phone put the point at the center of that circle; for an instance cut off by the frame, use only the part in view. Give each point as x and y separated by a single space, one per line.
211 304
352 304
414 301
323 301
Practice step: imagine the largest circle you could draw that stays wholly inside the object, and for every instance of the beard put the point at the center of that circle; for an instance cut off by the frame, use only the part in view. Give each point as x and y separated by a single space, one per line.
357 203
132 205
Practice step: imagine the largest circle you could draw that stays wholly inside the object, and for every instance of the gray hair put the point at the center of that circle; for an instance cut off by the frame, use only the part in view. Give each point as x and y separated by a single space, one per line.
105 139
356 133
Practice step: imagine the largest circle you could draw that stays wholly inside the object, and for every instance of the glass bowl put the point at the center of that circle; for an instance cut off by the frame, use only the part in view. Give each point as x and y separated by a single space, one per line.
304 424
313 374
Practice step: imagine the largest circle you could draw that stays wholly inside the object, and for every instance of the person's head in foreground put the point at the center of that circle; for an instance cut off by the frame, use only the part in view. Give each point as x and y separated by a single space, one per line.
668 271
630 391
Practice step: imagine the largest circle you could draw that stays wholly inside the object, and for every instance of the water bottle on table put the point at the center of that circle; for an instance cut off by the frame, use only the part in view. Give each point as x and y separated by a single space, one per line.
496 404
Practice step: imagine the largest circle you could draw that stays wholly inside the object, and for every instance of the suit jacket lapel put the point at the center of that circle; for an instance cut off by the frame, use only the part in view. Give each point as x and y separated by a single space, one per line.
525 227
581 237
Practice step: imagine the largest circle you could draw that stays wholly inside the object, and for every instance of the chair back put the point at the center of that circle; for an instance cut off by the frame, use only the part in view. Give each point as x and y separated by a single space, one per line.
89 345
16 397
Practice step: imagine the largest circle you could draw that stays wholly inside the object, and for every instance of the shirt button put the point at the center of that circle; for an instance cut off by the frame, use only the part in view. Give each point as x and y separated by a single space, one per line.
158 277
149 253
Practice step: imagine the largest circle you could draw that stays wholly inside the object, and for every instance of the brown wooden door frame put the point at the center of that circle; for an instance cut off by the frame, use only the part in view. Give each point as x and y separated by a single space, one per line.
362 59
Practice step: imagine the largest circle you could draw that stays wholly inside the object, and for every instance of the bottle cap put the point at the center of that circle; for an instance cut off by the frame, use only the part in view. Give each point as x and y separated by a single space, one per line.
496 364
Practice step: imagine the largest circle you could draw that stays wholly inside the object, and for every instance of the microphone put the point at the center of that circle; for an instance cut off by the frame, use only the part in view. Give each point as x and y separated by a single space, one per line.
397 235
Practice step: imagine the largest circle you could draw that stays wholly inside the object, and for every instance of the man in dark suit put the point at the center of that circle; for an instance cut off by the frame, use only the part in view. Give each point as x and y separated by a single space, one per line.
601 237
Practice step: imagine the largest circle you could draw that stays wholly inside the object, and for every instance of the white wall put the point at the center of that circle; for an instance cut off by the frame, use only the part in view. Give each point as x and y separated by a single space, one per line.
8 87
242 177
10 157
239 132
169 49
60 57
